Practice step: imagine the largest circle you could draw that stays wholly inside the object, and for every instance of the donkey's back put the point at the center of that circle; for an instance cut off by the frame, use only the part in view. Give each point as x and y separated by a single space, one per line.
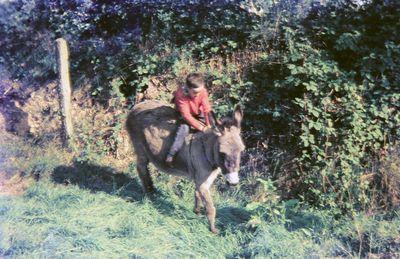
152 126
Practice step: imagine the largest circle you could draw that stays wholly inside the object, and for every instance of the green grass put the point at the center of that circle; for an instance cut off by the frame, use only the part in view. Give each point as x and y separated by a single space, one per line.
85 210
53 220
56 220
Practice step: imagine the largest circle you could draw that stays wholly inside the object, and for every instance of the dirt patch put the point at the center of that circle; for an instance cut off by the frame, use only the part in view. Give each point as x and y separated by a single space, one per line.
159 88
43 110
14 186
99 128
12 117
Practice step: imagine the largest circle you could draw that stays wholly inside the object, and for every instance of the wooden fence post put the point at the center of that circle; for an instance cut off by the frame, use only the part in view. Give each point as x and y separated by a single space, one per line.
65 84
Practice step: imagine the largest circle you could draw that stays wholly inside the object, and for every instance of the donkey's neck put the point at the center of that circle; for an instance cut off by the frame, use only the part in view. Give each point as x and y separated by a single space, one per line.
210 148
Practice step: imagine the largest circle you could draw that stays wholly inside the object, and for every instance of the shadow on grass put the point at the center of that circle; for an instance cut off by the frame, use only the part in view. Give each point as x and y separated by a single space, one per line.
232 218
106 179
99 179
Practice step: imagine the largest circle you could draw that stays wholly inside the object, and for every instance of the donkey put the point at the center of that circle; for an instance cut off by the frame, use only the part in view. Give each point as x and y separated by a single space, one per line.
152 126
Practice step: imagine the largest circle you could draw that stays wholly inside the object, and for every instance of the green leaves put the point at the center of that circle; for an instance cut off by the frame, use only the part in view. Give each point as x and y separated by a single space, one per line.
348 40
229 91
336 116
311 86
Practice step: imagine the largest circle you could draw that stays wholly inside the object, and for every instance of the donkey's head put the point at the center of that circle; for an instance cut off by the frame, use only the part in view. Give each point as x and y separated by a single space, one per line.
229 144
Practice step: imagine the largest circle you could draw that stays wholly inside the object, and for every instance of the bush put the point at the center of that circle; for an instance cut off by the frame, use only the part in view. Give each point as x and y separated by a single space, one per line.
337 117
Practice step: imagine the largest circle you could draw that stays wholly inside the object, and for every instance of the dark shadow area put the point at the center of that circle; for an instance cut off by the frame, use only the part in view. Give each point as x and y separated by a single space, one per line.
106 179
16 120
300 217
231 217
98 179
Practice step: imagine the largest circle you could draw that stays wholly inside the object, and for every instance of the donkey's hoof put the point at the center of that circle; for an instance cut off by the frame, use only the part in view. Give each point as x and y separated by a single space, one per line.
197 211
214 231
149 190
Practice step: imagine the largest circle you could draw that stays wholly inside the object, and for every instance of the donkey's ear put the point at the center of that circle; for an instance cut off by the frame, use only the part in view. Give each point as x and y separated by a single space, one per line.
237 116
212 118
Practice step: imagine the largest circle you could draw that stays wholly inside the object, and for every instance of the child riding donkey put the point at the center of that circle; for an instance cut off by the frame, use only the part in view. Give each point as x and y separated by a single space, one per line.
191 100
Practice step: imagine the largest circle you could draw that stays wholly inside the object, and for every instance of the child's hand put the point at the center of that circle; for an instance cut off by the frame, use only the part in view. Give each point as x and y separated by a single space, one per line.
205 128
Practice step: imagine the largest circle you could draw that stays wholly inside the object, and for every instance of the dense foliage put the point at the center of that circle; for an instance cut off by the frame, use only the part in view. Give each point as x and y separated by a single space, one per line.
109 38
323 77
332 86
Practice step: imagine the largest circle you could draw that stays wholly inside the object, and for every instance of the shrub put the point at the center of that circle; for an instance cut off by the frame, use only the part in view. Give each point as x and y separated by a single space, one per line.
337 117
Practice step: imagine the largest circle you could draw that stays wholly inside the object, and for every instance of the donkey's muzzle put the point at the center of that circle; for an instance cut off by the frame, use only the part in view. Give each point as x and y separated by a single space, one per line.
232 178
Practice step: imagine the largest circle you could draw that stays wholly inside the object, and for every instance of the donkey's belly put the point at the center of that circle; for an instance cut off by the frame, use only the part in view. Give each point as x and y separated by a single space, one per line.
158 140
178 167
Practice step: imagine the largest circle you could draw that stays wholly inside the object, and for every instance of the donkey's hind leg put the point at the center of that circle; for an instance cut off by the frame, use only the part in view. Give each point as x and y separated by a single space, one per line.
144 174
197 201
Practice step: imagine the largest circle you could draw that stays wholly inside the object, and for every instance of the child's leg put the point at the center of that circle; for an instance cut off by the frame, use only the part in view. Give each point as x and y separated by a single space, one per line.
180 136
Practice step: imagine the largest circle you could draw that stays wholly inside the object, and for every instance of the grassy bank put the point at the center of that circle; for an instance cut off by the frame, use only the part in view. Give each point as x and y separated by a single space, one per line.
82 209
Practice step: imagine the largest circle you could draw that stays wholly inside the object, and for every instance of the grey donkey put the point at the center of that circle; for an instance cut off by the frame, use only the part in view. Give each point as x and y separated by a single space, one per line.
203 155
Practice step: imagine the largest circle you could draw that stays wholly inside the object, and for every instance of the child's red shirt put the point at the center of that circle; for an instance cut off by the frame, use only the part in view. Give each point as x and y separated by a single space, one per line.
193 107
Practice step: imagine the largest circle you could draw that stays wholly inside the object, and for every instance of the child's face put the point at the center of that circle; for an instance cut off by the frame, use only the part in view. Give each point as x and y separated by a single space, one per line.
195 92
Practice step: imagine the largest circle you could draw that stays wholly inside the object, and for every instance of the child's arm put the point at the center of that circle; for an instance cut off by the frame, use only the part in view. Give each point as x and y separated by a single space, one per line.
183 108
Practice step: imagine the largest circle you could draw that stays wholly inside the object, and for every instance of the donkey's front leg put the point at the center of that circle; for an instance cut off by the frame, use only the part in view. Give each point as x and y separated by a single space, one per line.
204 190
210 209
